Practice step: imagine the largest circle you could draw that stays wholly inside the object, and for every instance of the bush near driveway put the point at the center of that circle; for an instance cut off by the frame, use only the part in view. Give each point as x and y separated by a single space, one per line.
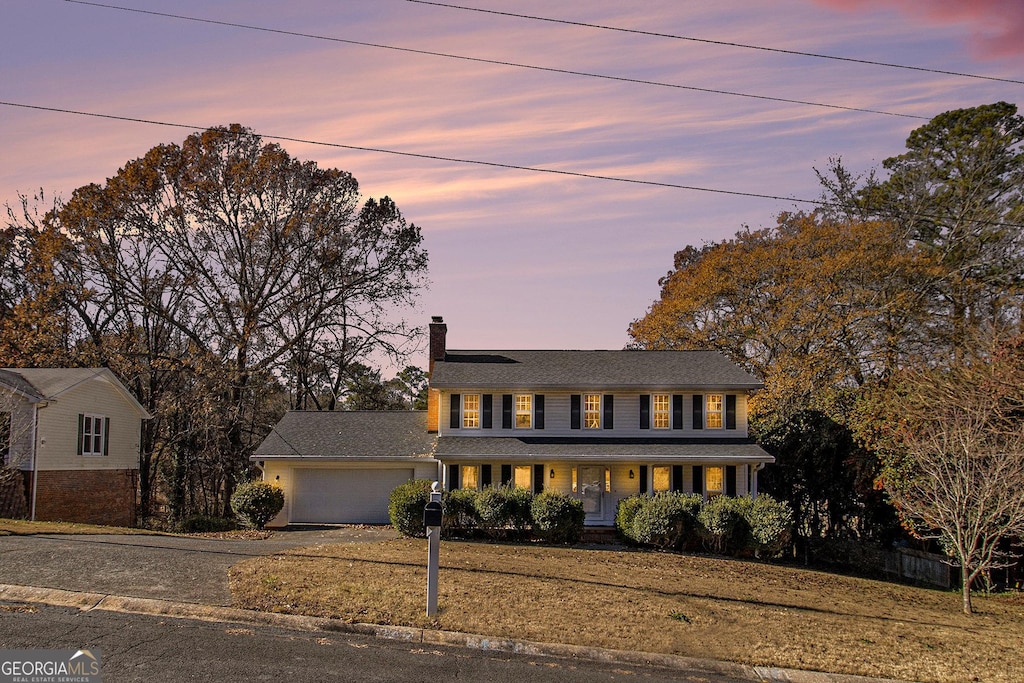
257 502
405 507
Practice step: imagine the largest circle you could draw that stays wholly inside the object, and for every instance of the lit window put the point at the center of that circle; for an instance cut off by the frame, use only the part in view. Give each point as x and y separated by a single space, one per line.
91 435
524 411
713 419
713 481
662 479
522 476
471 411
592 411
661 411
469 477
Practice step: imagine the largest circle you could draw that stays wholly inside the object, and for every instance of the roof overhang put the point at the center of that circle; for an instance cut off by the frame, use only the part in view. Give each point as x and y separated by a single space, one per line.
454 448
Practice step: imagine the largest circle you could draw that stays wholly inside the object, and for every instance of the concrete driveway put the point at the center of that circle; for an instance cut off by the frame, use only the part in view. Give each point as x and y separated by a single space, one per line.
184 569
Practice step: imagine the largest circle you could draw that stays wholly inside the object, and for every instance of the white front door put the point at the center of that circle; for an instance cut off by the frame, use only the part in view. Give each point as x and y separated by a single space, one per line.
591 488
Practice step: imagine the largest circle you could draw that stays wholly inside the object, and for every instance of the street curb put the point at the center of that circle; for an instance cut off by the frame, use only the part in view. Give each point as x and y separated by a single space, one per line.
86 601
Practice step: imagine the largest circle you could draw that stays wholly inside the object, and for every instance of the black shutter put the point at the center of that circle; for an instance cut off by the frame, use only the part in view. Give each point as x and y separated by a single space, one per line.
645 411
730 411
730 480
538 479
677 477
698 479
574 411
488 405
81 432
506 475
485 476
643 478
609 411
456 411
677 411
453 477
106 436
506 411
698 411
538 411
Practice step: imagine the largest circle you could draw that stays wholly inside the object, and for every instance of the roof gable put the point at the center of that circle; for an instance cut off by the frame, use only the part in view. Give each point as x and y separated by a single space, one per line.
49 383
626 369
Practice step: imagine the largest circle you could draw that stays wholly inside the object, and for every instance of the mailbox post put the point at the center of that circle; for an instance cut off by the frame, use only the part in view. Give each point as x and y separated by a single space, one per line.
432 521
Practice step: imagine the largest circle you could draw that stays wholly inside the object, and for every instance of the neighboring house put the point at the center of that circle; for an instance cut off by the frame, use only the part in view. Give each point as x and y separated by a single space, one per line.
75 434
340 467
600 425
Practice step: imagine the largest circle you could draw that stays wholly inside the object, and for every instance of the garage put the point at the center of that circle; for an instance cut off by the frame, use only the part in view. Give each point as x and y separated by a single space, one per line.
344 496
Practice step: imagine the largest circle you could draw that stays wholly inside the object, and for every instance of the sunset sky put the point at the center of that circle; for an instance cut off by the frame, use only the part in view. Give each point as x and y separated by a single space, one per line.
518 259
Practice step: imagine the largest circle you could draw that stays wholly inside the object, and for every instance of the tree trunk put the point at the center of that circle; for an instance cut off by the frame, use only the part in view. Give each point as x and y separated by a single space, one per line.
965 579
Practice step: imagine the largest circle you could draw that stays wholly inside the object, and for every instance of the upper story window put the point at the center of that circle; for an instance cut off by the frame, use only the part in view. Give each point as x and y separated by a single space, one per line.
591 411
92 434
713 415
661 405
471 411
524 411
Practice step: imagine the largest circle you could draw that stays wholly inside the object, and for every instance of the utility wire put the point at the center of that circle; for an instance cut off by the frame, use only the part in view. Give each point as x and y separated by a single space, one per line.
475 162
717 42
481 60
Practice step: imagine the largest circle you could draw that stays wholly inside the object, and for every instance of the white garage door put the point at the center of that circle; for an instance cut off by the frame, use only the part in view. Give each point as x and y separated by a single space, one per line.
344 496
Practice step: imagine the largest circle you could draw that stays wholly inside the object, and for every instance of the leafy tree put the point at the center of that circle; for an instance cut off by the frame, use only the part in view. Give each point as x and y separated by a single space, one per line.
952 439
411 385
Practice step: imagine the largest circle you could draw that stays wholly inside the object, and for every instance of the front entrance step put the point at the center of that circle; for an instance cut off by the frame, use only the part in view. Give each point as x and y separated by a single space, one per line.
600 534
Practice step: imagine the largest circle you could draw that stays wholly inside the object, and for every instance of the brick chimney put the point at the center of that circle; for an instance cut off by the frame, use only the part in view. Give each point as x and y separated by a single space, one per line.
438 341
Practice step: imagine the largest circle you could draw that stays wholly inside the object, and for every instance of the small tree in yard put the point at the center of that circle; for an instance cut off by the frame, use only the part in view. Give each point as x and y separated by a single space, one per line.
257 502
953 441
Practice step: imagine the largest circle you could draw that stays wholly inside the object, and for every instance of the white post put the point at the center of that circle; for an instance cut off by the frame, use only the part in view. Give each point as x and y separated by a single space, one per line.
433 546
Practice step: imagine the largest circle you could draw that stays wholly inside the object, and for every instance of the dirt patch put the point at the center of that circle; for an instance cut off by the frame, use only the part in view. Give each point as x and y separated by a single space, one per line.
758 614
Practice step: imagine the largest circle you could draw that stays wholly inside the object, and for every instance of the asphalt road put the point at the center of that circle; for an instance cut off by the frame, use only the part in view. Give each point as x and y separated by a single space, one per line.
147 648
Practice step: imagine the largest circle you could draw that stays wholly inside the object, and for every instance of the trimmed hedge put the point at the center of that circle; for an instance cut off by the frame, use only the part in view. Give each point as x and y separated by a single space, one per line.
665 520
257 502
405 507
557 517
504 511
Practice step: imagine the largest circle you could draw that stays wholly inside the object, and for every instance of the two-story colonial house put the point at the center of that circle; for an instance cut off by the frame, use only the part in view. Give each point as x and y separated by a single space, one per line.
601 425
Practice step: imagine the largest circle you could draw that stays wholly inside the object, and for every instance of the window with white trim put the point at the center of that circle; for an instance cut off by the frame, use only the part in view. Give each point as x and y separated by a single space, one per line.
591 411
714 481
662 479
713 414
524 411
469 477
661 407
92 434
471 411
522 477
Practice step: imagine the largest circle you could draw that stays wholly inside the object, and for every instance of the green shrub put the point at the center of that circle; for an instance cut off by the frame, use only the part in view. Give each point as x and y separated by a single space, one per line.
504 511
459 511
666 519
405 507
557 517
624 514
724 522
771 526
257 502
201 524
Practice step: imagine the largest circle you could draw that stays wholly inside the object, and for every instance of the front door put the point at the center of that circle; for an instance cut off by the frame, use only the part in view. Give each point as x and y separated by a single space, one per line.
591 487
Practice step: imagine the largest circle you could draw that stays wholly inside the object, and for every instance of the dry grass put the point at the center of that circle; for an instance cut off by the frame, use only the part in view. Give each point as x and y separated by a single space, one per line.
23 527
695 606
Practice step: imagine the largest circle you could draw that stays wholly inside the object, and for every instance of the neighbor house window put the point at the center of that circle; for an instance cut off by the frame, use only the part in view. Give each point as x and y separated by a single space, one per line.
471 411
714 481
713 416
661 407
92 434
662 479
469 477
591 411
524 411
522 477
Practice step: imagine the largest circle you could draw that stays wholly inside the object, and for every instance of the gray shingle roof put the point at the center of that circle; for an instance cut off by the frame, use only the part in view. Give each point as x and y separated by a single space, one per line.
14 380
590 369
355 434
650 450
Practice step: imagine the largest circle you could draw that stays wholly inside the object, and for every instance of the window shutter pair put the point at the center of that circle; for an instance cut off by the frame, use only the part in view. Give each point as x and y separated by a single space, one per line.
104 437
506 411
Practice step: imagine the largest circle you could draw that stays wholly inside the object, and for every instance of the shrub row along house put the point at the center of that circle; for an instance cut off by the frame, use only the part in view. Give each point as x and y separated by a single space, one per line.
601 425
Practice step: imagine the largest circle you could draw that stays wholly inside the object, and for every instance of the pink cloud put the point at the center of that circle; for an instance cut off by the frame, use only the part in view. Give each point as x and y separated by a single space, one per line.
996 26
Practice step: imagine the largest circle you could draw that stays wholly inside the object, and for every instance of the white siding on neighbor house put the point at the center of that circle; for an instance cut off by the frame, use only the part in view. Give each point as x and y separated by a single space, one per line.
22 416
626 415
57 432
337 492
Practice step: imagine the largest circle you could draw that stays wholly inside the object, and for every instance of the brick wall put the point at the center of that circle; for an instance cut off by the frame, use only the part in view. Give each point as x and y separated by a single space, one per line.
87 496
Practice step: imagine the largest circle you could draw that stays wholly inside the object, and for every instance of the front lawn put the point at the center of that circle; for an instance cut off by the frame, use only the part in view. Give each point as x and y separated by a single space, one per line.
24 527
696 606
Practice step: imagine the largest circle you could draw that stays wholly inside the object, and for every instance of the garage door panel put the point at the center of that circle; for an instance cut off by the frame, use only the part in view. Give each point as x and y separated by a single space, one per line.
344 496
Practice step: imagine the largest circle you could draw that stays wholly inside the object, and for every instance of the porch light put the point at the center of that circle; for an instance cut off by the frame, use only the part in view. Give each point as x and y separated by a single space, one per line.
632 475
552 475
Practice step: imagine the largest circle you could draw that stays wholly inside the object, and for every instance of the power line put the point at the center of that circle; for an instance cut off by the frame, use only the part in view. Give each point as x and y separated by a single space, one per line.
475 162
496 62
718 42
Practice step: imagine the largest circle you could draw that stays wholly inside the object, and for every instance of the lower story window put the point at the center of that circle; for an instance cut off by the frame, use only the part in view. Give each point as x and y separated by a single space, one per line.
662 479
714 481
469 477
522 477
